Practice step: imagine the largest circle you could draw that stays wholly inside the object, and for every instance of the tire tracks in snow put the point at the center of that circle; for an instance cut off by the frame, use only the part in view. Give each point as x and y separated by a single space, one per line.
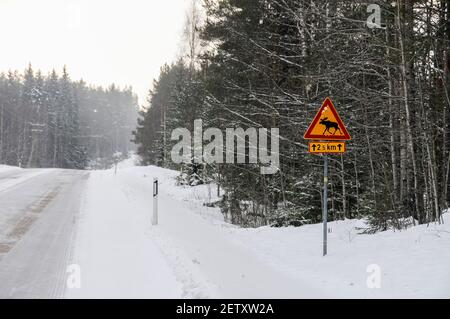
193 284
36 248
31 214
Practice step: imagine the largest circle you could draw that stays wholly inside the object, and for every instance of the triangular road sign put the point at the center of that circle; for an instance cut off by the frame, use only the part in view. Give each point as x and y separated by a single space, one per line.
327 125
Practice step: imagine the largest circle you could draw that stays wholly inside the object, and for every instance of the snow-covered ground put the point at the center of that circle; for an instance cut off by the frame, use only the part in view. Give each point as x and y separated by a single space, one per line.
56 224
193 253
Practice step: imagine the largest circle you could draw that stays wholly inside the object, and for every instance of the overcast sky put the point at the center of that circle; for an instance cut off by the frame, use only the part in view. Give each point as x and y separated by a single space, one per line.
101 41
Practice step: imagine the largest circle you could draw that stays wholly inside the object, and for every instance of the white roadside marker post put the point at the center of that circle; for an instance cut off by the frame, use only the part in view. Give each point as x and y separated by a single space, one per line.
155 202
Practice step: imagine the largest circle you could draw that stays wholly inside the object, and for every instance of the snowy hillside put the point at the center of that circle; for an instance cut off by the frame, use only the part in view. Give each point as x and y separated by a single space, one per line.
193 253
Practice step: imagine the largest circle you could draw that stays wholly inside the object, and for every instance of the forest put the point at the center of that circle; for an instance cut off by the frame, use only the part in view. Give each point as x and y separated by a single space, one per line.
272 63
53 121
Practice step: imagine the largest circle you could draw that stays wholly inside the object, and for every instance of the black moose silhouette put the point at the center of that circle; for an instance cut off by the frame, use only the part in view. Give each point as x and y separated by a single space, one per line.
328 125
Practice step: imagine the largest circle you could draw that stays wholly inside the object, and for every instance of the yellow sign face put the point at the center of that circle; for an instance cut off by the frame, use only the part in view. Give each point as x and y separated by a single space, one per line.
326 147
327 125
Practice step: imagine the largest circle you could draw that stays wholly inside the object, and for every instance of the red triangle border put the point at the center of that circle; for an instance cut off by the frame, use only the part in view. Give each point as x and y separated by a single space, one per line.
309 136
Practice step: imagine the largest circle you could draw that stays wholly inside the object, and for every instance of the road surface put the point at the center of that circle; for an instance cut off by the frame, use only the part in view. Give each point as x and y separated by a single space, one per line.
38 213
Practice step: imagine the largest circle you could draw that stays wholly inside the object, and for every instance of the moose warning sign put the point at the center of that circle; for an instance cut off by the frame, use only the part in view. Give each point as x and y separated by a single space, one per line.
327 125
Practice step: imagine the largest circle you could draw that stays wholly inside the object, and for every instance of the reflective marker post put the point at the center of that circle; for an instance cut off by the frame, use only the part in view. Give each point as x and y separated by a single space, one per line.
155 202
325 203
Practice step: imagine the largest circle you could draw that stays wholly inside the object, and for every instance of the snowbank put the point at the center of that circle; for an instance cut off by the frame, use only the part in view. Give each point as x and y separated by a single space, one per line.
7 168
11 176
413 263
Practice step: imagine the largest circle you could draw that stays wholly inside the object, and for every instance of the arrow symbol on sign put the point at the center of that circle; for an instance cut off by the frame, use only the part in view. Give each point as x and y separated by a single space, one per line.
314 147
339 145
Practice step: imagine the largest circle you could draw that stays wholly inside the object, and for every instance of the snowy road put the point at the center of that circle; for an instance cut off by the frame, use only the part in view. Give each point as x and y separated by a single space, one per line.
100 221
38 215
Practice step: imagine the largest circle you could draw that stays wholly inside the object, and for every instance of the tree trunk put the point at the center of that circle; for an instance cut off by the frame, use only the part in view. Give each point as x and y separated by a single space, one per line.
405 80
392 127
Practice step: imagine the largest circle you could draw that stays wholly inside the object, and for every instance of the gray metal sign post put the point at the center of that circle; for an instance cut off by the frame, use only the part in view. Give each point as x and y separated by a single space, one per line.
155 202
325 203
